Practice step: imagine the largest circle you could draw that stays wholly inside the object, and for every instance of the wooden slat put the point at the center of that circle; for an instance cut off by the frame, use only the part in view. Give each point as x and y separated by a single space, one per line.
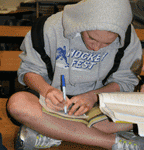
21 31
140 34
142 73
14 31
9 60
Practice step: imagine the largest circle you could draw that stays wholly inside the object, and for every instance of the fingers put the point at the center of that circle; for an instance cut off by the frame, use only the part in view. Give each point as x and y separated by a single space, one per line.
53 107
73 109
78 110
54 99
84 111
55 96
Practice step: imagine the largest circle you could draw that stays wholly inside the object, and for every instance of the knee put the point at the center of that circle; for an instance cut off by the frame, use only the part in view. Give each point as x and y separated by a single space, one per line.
14 104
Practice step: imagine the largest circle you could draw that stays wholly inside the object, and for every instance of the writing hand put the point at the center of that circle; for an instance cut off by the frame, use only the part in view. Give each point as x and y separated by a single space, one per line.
54 99
82 103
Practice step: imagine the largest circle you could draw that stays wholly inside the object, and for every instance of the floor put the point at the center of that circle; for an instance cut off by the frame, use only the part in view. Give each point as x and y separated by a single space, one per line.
9 131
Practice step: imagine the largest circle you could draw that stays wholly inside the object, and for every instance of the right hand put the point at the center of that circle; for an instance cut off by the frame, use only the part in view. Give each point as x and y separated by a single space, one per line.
54 99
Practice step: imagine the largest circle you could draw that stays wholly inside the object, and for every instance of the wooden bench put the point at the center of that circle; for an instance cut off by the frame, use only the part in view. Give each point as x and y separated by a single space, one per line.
21 31
140 34
9 60
14 31
9 64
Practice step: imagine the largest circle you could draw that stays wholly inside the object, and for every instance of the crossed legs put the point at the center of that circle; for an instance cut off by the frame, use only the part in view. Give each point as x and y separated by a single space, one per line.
25 108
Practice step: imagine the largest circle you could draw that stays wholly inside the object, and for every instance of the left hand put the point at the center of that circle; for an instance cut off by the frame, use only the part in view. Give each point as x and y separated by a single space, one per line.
82 103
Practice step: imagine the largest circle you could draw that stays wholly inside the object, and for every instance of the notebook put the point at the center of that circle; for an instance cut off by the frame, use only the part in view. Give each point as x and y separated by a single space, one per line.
89 118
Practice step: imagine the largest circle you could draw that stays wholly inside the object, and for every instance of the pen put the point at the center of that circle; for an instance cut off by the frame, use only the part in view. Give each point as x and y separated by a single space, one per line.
64 93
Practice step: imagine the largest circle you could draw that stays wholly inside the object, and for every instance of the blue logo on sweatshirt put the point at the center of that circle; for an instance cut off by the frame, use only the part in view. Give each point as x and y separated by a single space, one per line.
80 59
61 53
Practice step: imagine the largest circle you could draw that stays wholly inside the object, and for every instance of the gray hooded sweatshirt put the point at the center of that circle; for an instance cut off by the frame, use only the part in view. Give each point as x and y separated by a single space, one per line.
84 69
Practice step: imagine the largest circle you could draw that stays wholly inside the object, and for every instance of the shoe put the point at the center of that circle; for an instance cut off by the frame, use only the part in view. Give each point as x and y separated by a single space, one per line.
128 141
28 139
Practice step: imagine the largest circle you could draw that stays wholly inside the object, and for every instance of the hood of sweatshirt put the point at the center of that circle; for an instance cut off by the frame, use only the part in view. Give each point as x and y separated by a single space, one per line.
109 15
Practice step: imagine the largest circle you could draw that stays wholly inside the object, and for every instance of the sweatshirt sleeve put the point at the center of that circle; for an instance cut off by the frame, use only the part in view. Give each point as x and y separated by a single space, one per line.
126 79
31 60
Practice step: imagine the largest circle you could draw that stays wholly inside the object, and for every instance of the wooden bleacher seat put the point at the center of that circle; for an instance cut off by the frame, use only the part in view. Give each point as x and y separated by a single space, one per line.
21 31
140 34
14 31
9 64
9 60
